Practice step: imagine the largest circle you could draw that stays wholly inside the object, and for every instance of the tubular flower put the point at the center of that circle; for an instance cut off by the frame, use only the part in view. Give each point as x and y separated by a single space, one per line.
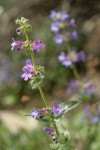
49 130
58 15
56 108
28 70
17 44
37 45
91 116
40 112
52 133
71 57
86 86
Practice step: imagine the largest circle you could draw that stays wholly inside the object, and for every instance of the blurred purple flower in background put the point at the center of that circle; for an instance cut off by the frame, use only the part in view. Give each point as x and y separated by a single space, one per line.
82 56
64 60
71 86
73 34
85 86
60 38
92 116
64 27
71 57
61 15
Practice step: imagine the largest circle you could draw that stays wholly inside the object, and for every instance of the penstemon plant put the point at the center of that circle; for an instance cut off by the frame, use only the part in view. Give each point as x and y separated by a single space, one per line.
35 74
64 28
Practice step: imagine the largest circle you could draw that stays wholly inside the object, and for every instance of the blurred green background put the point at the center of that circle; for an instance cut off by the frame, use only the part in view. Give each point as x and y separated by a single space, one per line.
16 96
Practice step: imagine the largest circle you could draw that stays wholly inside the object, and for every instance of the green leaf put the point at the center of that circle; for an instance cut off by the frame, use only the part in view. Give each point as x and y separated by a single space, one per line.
74 102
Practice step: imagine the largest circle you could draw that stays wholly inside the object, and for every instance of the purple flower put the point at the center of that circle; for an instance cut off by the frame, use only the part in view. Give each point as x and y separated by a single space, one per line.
28 70
73 34
64 59
58 15
55 26
71 86
59 38
49 130
94 119
89 89
91 117
73 56
37 112
37 45
17 44
82 56
86 109
56 108
72 22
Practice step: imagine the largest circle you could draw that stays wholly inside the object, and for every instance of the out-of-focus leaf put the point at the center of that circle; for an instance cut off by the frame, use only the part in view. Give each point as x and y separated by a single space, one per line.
54 146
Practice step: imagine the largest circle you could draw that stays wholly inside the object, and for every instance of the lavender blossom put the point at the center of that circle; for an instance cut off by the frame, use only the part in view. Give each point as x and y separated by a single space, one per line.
89 89
91 117
58 15
28 70
73 56
37 45
17 44
82 56
73 34
55 26
71 86
36 112
56 108
64 59
70 58
85 86
72 22
60 38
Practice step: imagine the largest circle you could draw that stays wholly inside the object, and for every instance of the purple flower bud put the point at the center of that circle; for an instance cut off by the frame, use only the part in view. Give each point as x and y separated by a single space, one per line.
49 130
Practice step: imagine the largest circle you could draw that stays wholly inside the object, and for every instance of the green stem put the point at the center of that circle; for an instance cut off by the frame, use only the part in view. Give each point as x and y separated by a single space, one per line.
42 95
55 127
74 69
39 87
76 74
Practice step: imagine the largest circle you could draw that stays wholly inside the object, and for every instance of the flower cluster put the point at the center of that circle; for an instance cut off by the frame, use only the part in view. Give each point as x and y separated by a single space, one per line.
55 110
28 70
35 46
71 57
63 26
24 26
85 86
34 73
91 115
